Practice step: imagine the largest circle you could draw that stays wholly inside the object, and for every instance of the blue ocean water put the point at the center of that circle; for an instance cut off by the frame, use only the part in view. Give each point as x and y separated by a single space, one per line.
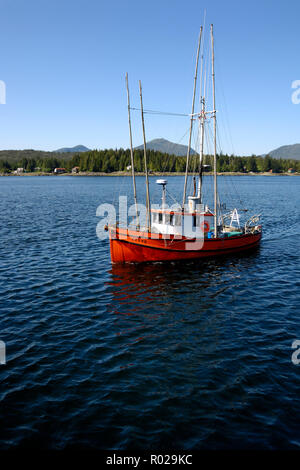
184 355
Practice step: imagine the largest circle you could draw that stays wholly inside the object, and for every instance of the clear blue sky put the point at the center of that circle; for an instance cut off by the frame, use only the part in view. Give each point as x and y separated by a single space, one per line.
64 63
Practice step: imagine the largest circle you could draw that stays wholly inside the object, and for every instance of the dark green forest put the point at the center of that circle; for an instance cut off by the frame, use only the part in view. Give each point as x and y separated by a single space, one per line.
110 160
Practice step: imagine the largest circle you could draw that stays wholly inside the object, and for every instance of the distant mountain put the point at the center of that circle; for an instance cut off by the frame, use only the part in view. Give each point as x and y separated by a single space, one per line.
77 148
165 146
288 152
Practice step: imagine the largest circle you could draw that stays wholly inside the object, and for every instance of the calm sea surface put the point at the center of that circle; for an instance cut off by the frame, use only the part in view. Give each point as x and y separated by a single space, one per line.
190 355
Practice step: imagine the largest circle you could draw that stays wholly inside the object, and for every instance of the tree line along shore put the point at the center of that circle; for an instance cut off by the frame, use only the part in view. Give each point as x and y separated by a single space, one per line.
118 161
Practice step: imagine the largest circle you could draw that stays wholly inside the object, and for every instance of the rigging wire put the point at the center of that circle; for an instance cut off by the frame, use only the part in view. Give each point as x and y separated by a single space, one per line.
172 197
169 156
165 113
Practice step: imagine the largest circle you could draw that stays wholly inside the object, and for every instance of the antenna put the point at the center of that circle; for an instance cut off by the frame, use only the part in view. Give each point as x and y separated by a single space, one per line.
163 183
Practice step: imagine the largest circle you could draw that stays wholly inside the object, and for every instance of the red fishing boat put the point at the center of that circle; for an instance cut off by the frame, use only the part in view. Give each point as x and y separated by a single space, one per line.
190 230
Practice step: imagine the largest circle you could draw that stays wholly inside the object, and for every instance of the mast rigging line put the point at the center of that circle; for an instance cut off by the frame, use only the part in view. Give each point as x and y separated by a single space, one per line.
169 155
165 113
191 119
145 161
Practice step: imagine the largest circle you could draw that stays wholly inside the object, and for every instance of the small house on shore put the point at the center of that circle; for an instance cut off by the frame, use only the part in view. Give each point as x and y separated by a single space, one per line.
59 170
75 169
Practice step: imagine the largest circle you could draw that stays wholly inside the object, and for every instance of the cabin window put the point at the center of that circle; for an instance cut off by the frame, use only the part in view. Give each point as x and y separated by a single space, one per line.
171 219
178 219
194 220
167 218
155 218
160 218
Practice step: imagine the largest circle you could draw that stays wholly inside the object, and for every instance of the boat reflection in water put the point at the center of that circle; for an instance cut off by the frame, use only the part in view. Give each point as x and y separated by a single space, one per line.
172 306
133 285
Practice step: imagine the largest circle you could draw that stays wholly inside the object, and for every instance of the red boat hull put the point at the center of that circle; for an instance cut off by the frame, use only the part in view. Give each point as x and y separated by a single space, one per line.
128 246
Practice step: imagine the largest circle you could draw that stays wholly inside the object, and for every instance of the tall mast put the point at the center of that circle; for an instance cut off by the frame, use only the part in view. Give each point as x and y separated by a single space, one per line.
202 124
131 155
202 120
192 119
145 163
215 134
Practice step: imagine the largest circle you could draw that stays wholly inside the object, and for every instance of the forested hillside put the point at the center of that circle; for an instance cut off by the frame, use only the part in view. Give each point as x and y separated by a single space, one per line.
110 160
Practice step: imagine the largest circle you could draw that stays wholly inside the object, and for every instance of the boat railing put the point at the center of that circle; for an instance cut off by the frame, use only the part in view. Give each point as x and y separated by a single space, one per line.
252 224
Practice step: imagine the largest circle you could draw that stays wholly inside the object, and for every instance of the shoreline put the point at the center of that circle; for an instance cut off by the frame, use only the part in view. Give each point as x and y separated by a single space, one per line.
125 173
